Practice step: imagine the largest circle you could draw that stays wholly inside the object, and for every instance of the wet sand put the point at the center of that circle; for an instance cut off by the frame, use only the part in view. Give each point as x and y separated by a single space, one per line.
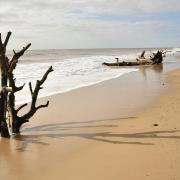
178 57
125 128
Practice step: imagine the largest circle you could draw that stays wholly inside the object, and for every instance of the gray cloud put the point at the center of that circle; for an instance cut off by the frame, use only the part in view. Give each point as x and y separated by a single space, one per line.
80 23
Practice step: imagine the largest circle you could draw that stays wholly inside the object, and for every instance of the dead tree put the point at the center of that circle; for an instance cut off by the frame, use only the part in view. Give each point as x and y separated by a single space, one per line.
7 100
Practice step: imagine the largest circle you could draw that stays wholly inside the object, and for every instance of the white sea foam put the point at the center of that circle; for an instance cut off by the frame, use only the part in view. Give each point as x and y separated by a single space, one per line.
175 50
68 74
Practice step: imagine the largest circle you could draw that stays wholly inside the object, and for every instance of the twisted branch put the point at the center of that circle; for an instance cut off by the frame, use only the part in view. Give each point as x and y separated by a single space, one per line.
13 85
12 66
43 106
34 95
22 106
17 55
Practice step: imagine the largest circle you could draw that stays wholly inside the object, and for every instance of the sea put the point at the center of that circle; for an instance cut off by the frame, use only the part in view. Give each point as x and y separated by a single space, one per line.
73 68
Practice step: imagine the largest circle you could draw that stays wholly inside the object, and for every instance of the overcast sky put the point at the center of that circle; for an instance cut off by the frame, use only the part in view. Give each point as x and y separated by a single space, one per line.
69 24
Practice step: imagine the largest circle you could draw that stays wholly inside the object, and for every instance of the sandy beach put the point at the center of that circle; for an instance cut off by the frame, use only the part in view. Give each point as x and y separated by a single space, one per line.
118 129
90 90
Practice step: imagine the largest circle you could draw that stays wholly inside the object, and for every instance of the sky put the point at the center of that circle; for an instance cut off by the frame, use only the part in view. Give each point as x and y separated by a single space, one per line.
74 24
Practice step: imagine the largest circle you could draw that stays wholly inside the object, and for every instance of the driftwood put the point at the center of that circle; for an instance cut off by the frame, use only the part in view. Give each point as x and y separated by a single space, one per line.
4 80
124 63
156 59
7 94
142 56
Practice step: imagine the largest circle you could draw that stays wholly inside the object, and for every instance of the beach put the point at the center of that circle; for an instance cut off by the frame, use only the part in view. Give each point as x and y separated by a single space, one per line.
123 128
90 90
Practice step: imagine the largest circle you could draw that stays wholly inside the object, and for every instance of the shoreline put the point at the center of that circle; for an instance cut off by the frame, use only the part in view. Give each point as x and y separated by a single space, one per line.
77 88
168 66
148 82
112 146
104 95
86 71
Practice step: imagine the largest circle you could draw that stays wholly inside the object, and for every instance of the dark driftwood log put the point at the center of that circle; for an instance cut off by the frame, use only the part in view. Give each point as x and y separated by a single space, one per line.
156 59
124 63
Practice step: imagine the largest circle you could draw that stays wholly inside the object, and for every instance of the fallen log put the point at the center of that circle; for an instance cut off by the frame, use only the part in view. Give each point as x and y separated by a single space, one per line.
156 59
124 63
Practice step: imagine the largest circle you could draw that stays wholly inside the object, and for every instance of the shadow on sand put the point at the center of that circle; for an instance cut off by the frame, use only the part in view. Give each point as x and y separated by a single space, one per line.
56 131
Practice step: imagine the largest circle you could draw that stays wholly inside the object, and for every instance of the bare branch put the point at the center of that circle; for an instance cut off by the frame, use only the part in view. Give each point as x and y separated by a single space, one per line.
1 44
19 88
142 54
1 47
34 94
22 106
13 85
43 106
40 82
7 39
17 55
30 88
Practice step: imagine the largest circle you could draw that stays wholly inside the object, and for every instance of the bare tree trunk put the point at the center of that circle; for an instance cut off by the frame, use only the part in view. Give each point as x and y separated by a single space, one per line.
3 94
7 94
3 124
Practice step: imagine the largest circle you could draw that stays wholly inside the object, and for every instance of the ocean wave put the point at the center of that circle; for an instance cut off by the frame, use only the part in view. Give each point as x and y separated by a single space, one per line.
68 74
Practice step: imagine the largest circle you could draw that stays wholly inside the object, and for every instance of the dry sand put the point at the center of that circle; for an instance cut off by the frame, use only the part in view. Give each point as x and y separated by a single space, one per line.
98 133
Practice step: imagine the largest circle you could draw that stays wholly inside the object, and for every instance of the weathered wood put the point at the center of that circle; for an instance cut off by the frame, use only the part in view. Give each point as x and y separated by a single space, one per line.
7 39
15 58
142 55
18 121
7 78
124 63
158 58
141 61
4 79
34 94
3 124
